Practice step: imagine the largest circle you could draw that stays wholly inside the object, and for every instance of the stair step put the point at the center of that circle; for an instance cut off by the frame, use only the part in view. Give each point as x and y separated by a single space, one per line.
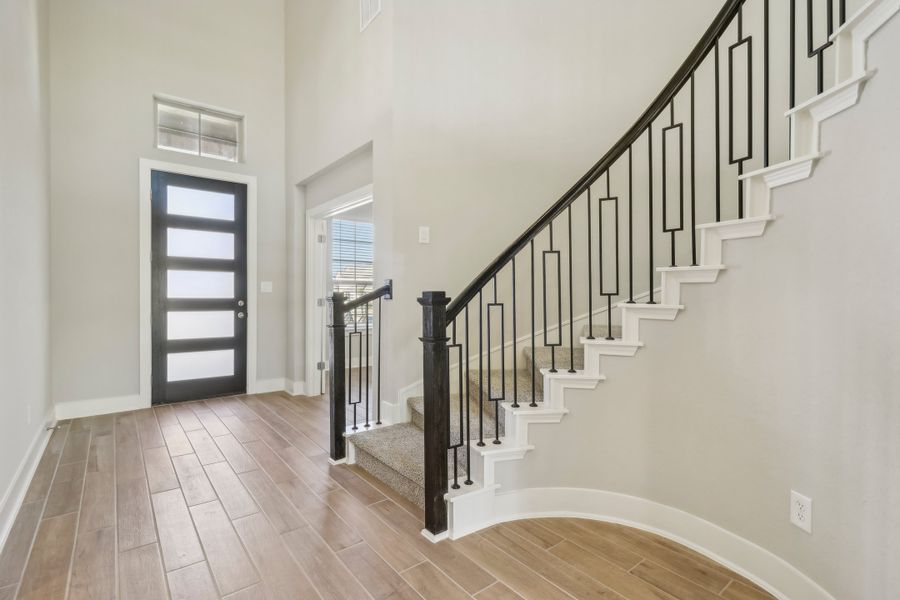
396 455
543 359
417 413
601 332
493 382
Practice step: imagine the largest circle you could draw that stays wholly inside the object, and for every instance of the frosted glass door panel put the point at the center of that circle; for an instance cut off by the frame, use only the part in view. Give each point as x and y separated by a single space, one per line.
196 324
200 284
183 366
200 203
193 243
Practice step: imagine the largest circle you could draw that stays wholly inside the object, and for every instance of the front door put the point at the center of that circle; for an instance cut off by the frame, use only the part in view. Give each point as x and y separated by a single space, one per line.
199 271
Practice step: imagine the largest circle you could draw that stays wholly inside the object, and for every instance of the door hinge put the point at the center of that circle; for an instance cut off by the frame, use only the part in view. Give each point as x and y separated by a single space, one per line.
320 238
320 301
320 366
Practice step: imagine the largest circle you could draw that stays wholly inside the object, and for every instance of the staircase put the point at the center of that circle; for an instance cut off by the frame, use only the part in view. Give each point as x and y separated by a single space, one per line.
488 415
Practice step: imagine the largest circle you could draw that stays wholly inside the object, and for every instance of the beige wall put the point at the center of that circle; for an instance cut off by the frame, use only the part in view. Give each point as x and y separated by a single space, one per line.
108 60
783 375
480 115
24 245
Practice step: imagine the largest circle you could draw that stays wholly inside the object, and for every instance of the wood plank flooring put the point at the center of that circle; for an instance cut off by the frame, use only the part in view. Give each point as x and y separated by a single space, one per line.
235 498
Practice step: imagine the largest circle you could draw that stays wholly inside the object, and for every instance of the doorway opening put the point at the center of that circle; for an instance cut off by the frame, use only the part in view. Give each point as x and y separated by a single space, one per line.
341 258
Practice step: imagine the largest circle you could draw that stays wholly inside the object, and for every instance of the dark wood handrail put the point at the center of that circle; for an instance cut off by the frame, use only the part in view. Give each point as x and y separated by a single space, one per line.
682 76
386 291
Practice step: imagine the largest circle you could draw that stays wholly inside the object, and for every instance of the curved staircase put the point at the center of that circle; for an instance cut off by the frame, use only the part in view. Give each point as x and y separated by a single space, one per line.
498 431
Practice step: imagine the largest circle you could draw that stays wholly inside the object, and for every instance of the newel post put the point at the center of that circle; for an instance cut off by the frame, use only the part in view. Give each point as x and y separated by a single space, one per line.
337 380
436 382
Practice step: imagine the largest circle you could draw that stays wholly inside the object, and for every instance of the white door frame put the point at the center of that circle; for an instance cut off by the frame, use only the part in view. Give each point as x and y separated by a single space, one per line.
316 255
146 166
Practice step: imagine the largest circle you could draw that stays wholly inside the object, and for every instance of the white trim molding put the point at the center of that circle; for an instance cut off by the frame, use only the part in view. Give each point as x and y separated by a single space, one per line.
757 564
146 167
75 409
15 493
316 267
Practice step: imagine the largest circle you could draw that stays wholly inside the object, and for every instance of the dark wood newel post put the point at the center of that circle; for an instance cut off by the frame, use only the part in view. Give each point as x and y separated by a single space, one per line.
337 381
436 382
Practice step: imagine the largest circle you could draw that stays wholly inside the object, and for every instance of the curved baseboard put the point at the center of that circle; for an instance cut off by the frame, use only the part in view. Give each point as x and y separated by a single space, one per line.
742 556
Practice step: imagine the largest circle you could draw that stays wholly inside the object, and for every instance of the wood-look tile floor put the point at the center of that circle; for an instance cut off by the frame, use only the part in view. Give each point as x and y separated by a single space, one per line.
235 498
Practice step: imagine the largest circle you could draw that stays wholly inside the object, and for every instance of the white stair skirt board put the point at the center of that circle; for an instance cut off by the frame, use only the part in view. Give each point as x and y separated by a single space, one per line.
475 507
851 37
741 555
15 493
807 118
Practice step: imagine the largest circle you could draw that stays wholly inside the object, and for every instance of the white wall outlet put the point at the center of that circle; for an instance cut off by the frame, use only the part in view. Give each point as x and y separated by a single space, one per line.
801 511
265 287
424 234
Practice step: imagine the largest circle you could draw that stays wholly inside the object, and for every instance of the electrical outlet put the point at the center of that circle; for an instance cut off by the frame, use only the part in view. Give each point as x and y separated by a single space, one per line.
424 234
801 511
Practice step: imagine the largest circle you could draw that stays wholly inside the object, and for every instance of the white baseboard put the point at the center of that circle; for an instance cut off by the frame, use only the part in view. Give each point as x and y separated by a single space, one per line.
265 386
15 493
295 388
742 556
75 409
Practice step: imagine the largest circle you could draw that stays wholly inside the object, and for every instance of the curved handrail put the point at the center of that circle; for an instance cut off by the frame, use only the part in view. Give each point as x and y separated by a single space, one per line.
682 76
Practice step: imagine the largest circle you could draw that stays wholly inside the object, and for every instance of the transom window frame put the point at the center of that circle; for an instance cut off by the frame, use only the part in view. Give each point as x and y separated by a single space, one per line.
201 110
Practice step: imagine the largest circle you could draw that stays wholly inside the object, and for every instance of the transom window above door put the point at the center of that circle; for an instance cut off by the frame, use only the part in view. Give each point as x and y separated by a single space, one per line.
195 130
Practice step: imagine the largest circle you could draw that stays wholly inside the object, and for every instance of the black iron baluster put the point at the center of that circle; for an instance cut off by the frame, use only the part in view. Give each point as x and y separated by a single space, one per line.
455 446
533 334
467 429
693 180
571 303
547 343
368 335
843 11
819 52
603 291
491 398
792 66
481 369
378 372
765 83
590 269
732 159
718 132
515 402
679 129
630 229
650 207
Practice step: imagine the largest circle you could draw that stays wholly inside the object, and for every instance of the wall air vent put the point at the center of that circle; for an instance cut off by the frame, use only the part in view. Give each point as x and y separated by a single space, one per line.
368 10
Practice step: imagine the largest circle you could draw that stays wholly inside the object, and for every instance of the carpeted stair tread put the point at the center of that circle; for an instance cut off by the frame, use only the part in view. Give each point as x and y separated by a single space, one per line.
400 447
417 415
523 378
396 455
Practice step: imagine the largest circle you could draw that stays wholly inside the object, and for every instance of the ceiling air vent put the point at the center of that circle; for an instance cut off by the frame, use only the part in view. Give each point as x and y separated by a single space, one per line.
368 10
